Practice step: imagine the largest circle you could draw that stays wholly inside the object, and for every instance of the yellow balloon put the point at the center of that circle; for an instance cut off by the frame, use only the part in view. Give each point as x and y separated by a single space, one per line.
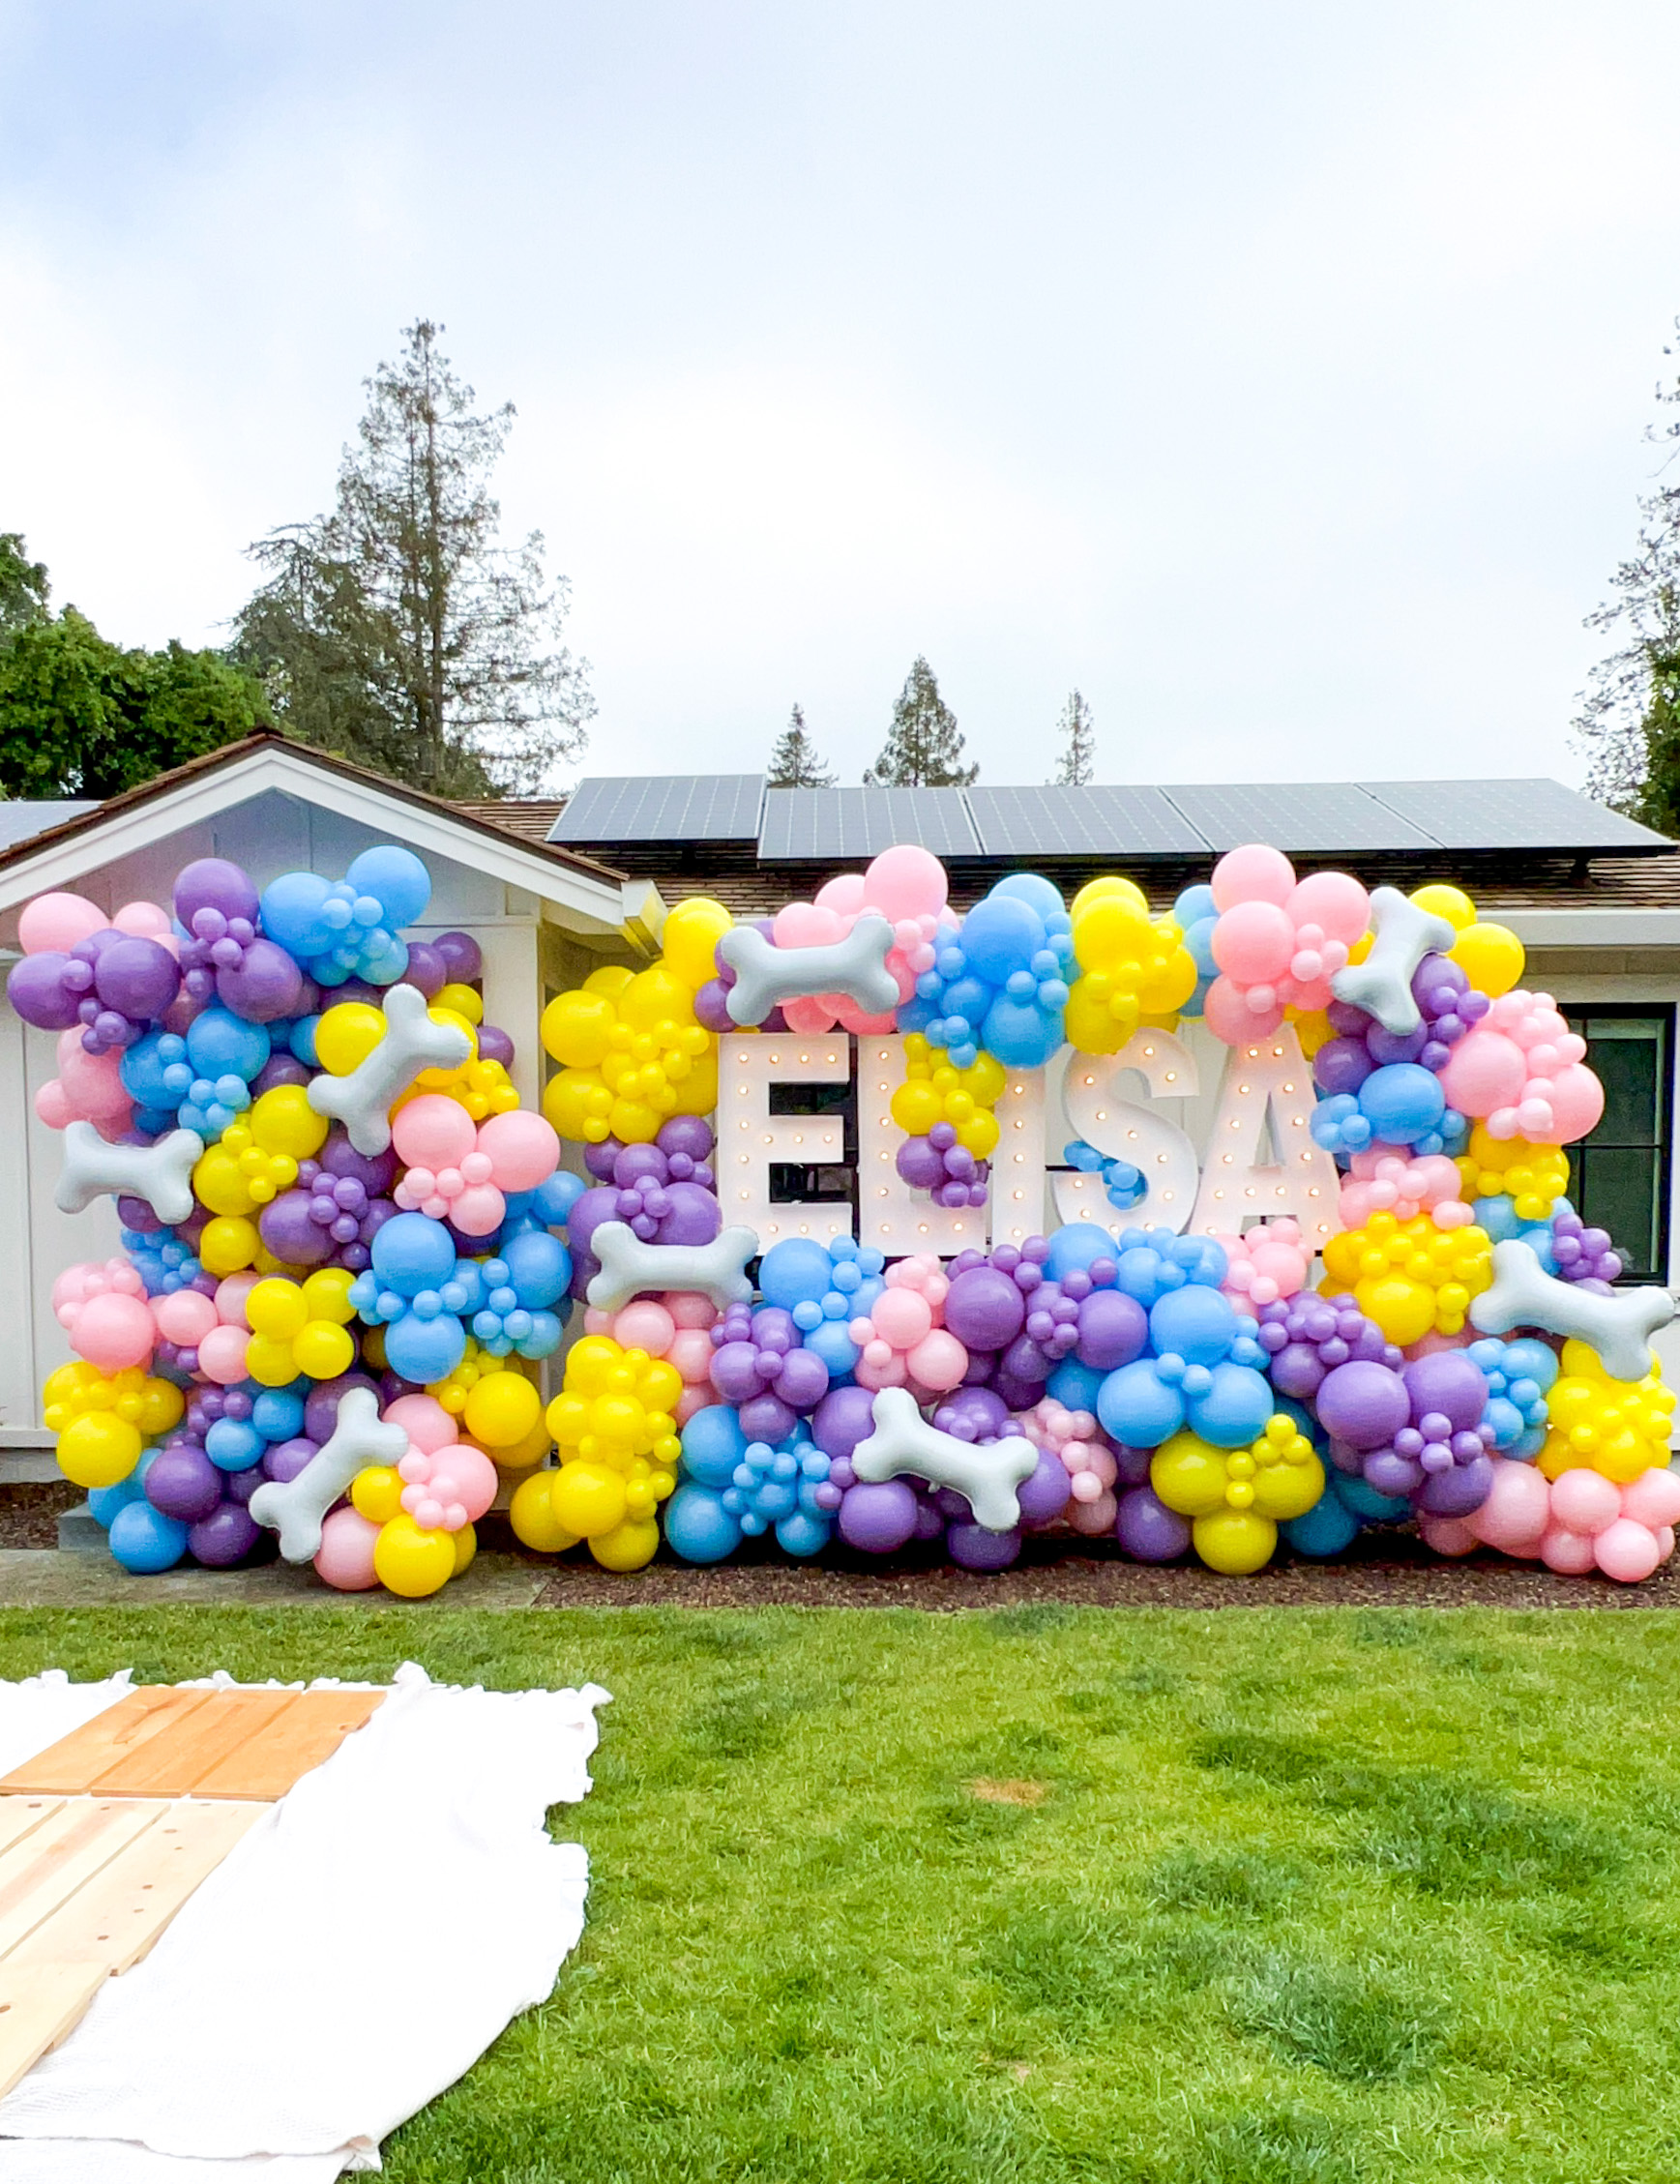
502 1409
1111 884
466 1547
576 1029
1450 903
276 1309
696 1094
628 1546
1112 931
324 1350
579 1106
530 1448
916 1106
327 1295
98 1449
1491 956
282 1121
1234 1542
1404 1309
347 1034
271 1360
377 1493
221 1184
587 1499
1189 1475
412 1563
692 934
229 1243
531 1514
461 1001
161 1408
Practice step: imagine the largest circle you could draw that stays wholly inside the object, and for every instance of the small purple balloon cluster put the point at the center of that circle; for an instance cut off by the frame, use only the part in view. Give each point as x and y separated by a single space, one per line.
946 1170
1308 1336
1449 1006
113 984
761 1367
665 1193
1018 1321
1583 1255
340 1203
1419 1431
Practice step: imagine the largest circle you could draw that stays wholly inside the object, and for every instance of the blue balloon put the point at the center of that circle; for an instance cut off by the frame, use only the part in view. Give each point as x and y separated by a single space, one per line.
1078 1247
1233 1410
220 1044
712 1445
554 1197
277 1414
104 1502
1327 1528
1195 1323
301 1039
1137 1407
1403 1101
234 1444
423 1350
1040 894
412 1252
292 909
799 1533
539 1268
696 1524
1001 934
144 1541
829 1340
1533 1360
396 878
1020 1033
1194 904
796 1271
1075 1386
145 1070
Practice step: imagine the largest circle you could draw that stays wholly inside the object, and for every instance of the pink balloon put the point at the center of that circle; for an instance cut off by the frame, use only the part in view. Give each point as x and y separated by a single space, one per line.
1627 1551
646 1326
1577 1100
902 1316
467 1476
184 1318
477 1209
345 1558
1254 874
432 1132
58 921
92 1083
1518 1507
1335 902
845 894
688 1308
231 1292
1448 1535
937 1362
424 1419
905 881
1585 1500
807 1016
112 1330
523 1147
1229 1018
804 925
1253 941
691 1352
222 1354
1653 1498
693 1398
1485 1071
1092 1519
52 1106
1569 1553
149 922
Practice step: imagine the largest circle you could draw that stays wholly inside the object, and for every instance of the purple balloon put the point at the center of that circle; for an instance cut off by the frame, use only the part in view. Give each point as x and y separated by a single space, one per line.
1148 1530
587 1214
285 1227
843 1419
1386 1047
686 1134
1045 1495
239 1485
494 1045
971 1546
920 1163
694 1218
321 1410
985 1309
461 956
735 1371
1456 1491
1113 1330
768 1419
36 989
1297 1371
137 1214
264 987
280 1069
183 1483
1450 1382
803 1380
136 977
224 1539
1026 1363
877 1520
712 1006
1343 1065
283 1462
376 1172
1365 1405
214 883
972 1415
428 970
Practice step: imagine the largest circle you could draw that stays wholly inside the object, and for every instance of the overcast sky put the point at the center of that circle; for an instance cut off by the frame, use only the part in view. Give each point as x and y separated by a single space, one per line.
1277 374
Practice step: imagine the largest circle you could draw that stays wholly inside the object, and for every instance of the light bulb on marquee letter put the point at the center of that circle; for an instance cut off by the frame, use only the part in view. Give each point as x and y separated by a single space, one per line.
750 1139
1267 1077
1158 1149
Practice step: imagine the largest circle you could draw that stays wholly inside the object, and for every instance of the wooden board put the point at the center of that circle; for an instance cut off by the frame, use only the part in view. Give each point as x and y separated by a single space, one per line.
39 2004
310 1730
55 1859
75 1762
20 1816
171 1763
114 1918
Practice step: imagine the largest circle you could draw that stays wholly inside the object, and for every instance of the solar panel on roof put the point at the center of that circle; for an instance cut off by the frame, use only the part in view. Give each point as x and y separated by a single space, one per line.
846 824
662 807
22 820
1512 814
1080 822
1309 818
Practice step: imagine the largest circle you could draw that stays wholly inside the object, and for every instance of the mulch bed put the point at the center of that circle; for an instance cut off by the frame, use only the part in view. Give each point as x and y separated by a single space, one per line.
29 1514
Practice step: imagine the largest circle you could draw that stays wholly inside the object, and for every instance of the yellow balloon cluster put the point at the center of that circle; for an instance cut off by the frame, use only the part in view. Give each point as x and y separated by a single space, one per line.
618 1457
256 1158
1131 966
484 1088
934 1092
1490 956
493 1418
301 1327
1410 1276
103 1420
1619 1428
1237 1497
632 1052
1534 1177
407 1559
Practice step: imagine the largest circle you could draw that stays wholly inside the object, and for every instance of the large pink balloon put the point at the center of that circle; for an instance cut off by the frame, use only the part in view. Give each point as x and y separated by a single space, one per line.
1485 1071
1229 1018
1254 874
424 1419
843 892
1448 1535
1653 1498
938 1361
112 1330
222 1354
149 922
902 1316
466 1475
1577 1100
646 1325
1627 1551
1585 1500
905 882
523 1148
1518 1507
432 1132
345 1558
1253 941
1334 901
1569 1553
184 1318
58 921
92 1083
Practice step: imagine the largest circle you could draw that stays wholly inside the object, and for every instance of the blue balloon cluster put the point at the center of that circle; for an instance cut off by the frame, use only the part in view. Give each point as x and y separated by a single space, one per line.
1346 1507
1001 983
1203 1364
530 1271
1498 1216
200 1080
823 1287
730 1489
1123 1183
1196 914
163 1264
348 929
1519 1373
418 1291
1400 1105
277 1414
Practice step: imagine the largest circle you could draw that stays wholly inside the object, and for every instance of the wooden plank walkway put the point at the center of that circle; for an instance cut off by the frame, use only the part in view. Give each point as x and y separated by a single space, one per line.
163 1741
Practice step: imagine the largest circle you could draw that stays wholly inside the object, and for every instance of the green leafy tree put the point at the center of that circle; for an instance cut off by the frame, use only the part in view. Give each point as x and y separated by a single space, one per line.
796 762
923 748
1077 766
1628 725
397 629
22 585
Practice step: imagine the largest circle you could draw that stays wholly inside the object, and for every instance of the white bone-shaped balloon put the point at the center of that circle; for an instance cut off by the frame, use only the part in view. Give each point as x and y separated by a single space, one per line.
161 1173
629 1266
765 975
988 1476
297 1508
413 1041
1619 1326
1382 984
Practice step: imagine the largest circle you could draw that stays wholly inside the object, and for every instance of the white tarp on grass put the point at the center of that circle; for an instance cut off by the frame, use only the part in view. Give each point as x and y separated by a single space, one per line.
357 1952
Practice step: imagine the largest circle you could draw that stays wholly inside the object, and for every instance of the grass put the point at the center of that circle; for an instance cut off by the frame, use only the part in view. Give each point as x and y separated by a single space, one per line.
1273 1898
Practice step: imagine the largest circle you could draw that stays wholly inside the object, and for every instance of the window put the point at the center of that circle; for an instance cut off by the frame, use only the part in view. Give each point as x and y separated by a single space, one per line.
1620 1173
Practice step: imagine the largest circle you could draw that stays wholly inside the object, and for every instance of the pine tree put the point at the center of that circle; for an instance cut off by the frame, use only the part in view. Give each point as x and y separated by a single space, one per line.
397 629
796 762
923 747
1076 767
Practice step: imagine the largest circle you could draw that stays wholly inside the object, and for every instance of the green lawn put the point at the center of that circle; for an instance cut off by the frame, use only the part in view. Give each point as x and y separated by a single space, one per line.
1245 1898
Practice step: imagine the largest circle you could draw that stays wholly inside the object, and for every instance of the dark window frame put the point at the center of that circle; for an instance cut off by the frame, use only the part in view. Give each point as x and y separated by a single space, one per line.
1579 1014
